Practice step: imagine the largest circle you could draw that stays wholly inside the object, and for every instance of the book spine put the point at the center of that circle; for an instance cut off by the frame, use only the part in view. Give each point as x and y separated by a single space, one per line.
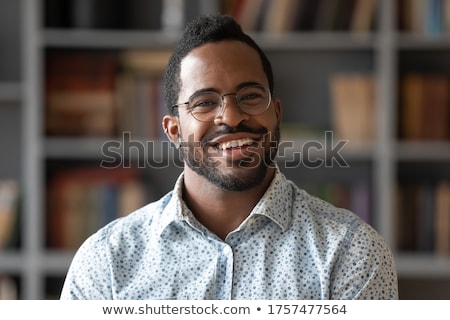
9 195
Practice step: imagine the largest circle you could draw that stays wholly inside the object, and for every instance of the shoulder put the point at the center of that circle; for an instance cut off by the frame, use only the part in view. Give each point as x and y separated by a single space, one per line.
121 241
331 223
360 259
134 227
321 211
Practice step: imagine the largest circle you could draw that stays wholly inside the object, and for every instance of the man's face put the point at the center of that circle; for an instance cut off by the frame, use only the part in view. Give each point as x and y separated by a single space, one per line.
232 151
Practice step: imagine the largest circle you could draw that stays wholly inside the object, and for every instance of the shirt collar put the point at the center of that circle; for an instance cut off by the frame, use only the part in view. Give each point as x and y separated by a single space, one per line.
276 204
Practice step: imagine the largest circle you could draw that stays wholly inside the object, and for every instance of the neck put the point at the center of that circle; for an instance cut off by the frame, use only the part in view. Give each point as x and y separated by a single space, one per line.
219 210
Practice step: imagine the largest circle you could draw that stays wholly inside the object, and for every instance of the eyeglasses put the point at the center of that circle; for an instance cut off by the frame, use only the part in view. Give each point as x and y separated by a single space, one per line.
206 105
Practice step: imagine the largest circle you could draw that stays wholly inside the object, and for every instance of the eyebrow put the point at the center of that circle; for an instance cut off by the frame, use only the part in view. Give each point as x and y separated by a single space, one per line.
238 87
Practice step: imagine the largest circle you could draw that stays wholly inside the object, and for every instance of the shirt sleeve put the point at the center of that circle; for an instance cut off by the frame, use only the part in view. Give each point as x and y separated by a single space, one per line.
89 276
365 269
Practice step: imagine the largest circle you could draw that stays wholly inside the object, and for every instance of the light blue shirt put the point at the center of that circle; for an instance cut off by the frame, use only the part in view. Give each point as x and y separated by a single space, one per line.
291 246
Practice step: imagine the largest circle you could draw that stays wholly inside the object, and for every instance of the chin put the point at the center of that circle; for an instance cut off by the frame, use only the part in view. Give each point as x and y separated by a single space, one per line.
238 178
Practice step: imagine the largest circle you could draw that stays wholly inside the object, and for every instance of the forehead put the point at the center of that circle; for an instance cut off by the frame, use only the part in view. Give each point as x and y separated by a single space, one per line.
222 65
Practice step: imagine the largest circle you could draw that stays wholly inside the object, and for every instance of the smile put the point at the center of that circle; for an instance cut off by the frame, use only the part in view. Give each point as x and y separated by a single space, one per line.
235 143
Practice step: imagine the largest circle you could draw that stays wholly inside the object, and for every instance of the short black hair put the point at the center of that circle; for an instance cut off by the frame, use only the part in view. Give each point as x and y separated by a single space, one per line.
202 30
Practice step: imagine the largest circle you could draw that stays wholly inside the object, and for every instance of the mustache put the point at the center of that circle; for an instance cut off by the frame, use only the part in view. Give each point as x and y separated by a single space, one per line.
226 129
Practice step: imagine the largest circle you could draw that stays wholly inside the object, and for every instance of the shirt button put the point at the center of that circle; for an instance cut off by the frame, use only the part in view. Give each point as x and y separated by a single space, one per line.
226 250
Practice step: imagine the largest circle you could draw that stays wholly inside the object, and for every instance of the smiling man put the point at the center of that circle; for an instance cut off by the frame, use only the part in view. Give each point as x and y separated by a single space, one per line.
233 227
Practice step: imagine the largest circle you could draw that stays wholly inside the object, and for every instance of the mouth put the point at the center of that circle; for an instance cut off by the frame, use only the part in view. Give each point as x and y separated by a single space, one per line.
235 141
239 143
235 147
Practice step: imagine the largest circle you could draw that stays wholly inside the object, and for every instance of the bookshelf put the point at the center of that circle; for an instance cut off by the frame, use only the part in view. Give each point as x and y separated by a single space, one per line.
10 126
304 58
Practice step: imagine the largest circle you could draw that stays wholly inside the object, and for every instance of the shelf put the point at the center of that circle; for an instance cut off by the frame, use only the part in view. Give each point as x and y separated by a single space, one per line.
11 262
56 262
53 261
317 147
422 265
423 151
106 39
97 148
316 41
75 148
413 41
10 92
278 42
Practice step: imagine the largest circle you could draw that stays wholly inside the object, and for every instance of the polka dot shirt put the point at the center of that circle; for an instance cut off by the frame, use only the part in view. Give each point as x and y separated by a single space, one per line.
291 246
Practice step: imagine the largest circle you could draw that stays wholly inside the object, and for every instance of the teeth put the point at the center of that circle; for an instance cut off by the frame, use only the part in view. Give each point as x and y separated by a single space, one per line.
235 143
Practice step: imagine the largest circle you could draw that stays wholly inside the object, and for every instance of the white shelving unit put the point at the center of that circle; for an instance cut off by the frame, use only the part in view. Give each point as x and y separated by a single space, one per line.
10 92
378 53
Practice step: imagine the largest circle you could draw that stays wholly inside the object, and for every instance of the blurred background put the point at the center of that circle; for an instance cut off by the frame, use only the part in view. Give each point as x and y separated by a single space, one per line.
81 107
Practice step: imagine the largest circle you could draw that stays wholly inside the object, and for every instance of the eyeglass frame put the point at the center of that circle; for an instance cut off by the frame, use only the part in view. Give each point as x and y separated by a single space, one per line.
223 103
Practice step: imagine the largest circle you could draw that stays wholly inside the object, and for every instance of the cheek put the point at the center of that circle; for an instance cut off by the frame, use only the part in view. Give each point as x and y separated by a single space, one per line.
271 120
191 130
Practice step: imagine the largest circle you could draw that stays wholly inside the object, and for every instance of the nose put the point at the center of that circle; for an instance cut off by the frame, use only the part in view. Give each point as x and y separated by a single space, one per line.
230 113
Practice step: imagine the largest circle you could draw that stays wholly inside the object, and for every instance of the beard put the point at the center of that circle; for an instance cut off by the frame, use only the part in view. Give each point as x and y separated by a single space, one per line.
197 157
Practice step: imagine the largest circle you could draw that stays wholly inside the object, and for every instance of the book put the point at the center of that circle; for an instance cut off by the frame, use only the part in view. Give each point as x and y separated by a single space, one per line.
327 12
442 220
140 105
81 200
8 288
436 107
343 15
412 95
139 92
363 16
131 195
151 62
446 16
424 111
307 15
248 14
407 217
433 24
425 217
352 106
80 114
360 201
281 16
79 93
9 195
425 17
397 220
411 15
153 15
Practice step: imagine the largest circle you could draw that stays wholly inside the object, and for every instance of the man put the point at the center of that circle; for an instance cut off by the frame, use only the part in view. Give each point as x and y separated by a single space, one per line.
233 227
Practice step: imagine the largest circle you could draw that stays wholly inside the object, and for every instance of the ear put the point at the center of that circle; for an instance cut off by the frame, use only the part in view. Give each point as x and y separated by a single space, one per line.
171 127
278 110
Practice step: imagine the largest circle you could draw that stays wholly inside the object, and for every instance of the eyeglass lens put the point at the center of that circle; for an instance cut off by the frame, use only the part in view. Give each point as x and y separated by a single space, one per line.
252 100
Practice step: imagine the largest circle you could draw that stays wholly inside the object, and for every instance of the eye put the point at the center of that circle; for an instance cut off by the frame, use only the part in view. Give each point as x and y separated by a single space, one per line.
204 102
252 95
